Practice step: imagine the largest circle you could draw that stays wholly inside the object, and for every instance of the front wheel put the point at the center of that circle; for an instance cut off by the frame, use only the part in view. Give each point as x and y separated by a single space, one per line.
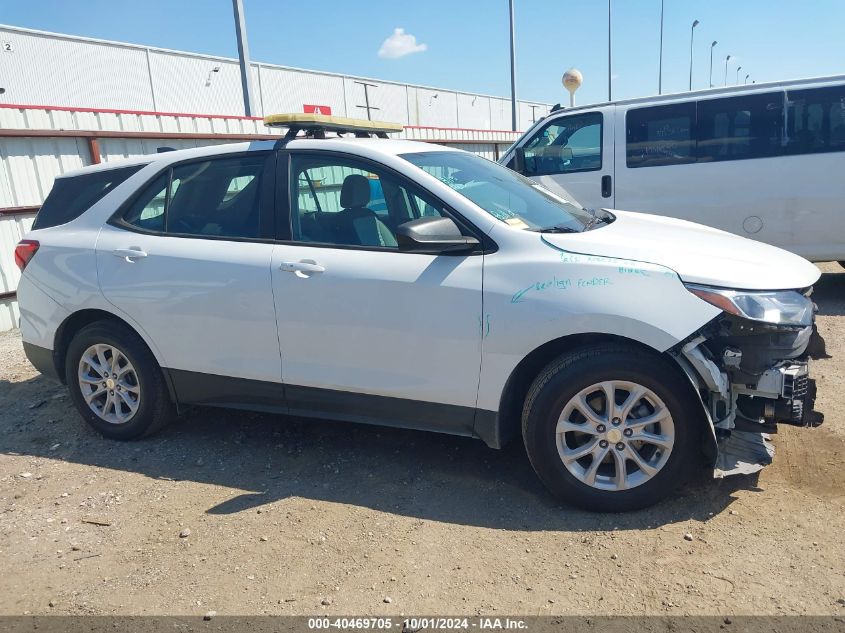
609 428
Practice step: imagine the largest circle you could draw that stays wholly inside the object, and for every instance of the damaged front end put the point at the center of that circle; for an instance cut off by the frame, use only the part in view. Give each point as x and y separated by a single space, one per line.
752 374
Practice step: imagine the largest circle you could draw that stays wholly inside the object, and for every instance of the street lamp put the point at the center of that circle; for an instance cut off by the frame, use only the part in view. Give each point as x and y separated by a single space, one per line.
712 46
691 38
746 78
738 68
727 59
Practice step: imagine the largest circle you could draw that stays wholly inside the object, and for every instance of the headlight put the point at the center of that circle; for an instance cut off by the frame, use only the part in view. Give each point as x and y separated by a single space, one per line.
782 307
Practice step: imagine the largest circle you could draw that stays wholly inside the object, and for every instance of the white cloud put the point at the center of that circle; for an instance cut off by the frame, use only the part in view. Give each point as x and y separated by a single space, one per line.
400 44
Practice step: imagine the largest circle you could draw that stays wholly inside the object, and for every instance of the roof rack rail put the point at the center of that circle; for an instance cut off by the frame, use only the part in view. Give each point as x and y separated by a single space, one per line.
316 126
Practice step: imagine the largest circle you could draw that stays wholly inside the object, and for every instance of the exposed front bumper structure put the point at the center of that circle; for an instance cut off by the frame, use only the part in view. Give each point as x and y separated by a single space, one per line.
751 377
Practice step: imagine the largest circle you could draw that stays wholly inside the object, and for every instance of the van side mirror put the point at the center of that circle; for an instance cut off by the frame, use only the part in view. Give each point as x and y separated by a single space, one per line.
517 163
433 235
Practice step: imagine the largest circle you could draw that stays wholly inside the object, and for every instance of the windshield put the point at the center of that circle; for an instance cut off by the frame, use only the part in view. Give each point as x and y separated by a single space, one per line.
504 194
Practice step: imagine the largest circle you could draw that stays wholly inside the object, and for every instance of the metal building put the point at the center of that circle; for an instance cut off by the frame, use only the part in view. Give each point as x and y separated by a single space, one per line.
67 102
40 68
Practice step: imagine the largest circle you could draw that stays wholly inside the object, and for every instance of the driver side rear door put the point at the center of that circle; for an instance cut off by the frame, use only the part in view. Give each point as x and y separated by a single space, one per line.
187 263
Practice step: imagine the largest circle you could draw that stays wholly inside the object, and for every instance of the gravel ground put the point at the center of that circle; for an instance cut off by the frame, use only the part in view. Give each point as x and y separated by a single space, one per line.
246 514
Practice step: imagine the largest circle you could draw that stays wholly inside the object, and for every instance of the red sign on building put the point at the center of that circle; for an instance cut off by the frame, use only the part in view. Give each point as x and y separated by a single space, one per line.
316 109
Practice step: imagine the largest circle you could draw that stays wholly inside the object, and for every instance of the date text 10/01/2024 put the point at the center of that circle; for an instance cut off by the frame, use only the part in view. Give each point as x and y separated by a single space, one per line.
418 623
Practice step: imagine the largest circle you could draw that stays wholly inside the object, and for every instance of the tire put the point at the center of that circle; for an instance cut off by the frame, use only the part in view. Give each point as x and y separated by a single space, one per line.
142 383
572 375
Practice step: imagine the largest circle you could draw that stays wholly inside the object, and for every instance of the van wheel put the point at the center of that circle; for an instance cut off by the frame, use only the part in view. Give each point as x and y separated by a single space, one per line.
609 429
115 382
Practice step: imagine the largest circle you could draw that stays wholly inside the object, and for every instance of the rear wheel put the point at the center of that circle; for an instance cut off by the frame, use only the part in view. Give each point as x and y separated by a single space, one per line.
610 429
115 382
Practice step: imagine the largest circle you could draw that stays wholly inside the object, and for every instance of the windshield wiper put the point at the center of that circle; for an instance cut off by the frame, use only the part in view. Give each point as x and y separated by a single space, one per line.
558 228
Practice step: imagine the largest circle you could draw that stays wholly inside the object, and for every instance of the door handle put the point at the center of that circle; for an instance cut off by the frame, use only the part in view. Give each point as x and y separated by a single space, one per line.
129 254
305 266
606 187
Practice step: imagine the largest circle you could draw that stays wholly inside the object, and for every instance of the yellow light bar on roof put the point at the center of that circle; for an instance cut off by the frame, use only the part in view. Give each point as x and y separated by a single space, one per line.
329 123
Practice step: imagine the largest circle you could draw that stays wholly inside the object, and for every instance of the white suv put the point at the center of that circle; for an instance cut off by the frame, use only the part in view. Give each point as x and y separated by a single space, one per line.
406 284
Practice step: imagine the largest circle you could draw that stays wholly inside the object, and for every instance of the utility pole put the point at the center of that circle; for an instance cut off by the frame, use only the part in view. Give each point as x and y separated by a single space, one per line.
660 67
367 105
609 53
243 56
513 71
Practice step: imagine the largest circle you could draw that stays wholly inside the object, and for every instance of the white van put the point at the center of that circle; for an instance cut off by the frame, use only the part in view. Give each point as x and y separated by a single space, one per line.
764 161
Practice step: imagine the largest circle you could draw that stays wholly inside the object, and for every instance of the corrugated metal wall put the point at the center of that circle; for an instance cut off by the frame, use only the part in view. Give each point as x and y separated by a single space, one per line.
50 68
29 164
12 229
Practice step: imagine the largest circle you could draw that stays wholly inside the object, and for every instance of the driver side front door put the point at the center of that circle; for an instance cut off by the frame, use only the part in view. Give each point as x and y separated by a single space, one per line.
369 332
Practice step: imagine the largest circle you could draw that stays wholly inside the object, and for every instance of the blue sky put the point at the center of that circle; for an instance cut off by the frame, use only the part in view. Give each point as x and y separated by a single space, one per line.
466 41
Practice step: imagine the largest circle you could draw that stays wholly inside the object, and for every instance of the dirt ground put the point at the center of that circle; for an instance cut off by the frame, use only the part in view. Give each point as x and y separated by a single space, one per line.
286 516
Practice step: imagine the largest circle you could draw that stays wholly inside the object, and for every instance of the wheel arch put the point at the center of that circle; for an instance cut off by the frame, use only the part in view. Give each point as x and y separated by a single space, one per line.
81 318
503 426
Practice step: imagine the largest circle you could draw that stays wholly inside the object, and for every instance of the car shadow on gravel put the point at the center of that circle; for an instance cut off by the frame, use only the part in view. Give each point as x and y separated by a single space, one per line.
829 294
267 458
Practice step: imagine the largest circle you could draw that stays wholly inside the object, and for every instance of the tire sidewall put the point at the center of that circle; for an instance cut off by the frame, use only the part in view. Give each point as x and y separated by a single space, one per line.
541 422
145 368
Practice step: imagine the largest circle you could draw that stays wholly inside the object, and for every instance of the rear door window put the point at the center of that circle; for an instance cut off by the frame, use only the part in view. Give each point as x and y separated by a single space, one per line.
220 197
71 197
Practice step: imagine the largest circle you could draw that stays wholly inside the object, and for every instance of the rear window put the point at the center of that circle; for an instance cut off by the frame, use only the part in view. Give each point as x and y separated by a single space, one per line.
71 197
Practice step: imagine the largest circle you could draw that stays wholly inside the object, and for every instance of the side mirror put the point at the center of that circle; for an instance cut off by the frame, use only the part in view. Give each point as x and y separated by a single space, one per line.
433 235
518 160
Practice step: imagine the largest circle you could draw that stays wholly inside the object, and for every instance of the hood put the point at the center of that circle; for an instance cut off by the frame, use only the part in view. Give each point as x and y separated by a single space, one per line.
698 253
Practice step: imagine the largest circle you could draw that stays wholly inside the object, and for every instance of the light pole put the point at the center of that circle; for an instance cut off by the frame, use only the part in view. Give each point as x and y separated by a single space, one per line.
712 46
243 55
727 59
513 71
738 68
660 67
691 38
609 53
746 78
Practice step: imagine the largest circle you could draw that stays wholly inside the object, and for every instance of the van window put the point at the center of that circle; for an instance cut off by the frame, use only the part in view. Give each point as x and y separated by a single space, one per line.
816 120
71 197
661 135
567 144
739 127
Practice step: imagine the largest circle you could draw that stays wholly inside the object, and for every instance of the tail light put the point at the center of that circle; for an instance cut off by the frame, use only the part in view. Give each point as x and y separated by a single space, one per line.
24 252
